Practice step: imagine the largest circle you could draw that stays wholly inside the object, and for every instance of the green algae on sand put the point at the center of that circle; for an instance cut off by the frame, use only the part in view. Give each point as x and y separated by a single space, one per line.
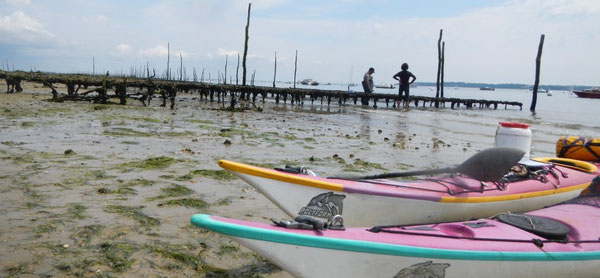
152 163
186 202
134 213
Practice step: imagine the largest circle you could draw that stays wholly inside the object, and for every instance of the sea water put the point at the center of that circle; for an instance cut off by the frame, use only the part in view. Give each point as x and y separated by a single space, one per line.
558 114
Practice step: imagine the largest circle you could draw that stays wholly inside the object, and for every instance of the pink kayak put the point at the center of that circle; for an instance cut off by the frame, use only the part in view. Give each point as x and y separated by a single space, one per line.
558 241
547 181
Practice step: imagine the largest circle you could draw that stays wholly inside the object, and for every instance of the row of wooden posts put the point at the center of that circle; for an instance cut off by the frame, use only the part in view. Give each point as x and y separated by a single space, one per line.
101 89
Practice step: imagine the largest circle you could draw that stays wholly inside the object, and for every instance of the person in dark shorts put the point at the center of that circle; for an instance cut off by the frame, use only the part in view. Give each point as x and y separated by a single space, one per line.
404 76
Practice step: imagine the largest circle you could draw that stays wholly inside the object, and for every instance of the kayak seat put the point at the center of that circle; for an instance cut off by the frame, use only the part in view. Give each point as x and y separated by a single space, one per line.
541 226
570 163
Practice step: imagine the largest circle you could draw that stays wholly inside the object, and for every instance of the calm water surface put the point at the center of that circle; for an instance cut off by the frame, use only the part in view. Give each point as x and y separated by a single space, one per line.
561 113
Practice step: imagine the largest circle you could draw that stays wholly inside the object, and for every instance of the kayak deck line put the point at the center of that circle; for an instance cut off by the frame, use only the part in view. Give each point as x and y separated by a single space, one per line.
451 199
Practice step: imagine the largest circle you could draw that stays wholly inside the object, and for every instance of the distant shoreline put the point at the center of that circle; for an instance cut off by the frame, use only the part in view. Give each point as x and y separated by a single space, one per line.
516 86
508 86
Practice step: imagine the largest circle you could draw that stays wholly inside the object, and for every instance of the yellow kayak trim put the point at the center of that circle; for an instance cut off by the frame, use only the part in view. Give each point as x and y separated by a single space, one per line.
275 175
449 199
569 163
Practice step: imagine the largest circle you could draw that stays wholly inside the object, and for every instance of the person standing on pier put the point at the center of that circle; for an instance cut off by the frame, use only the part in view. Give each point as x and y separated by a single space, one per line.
367 84
403 77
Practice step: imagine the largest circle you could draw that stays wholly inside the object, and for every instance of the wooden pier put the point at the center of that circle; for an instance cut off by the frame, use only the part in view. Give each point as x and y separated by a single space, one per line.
99 88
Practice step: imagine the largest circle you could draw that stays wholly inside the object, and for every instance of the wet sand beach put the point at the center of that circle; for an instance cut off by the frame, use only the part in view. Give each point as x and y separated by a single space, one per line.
93 190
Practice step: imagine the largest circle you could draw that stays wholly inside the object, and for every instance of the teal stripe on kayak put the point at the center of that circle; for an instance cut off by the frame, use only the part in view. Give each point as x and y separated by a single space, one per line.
235 230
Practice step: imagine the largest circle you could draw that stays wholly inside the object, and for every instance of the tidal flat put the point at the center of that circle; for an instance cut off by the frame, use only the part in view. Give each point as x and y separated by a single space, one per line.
91 190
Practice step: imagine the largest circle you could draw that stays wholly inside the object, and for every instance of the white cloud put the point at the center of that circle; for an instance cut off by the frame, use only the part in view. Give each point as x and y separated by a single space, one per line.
18 27
122 49
159 50
226 52
102 18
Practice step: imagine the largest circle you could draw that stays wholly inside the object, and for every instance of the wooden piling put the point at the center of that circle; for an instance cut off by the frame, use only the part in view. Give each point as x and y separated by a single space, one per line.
538 61
237 70
439 69
275 70
442 62
295 68
225 74
246 47
168 58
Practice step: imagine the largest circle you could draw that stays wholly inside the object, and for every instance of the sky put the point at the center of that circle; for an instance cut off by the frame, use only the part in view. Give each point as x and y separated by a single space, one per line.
486 41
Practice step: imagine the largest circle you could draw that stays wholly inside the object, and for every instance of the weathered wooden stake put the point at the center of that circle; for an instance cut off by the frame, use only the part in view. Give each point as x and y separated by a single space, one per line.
442 70
295 68
225 74
237 70
437 83
246 47
180 67
538 61
168 57
275 70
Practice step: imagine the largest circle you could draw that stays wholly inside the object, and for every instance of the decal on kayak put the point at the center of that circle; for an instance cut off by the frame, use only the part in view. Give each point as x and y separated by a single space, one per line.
427 269
324 205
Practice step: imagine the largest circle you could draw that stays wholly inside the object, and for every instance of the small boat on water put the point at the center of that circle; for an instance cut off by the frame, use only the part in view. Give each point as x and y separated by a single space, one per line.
554 242
309 82
366 202
588 93
487 89
384 86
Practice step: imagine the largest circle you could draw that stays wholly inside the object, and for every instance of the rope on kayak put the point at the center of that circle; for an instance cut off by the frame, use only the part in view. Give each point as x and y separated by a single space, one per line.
537 242
438 181
449 191
540 174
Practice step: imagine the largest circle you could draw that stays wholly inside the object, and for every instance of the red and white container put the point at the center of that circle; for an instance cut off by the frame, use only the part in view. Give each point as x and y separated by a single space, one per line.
514 135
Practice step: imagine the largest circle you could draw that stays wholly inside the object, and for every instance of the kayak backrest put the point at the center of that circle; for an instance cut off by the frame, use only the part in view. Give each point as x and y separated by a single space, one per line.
569 163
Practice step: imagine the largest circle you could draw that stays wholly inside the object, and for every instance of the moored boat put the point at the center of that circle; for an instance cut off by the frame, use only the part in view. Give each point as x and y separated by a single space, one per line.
305 81
452 197
384 86
558 241
588 93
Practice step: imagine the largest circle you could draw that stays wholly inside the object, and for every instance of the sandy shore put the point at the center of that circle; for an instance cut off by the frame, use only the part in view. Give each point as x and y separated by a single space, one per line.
108 190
